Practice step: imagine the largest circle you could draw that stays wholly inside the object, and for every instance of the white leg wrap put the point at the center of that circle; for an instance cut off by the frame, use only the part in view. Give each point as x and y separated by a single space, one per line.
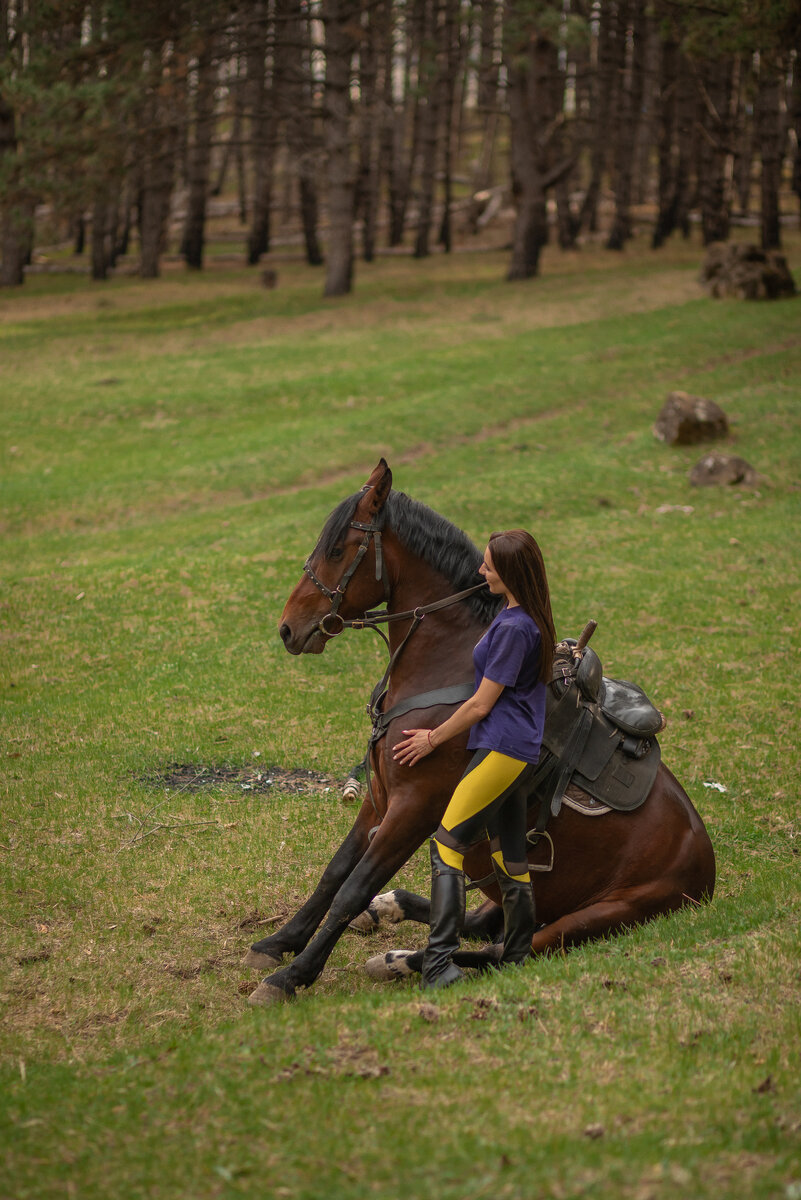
392 965
386 908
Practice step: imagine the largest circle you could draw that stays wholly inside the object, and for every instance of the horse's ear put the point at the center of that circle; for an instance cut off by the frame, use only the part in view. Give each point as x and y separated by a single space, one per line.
376 490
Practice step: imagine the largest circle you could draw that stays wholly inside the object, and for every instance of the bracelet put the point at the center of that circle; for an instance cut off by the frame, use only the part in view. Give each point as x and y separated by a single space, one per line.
431 744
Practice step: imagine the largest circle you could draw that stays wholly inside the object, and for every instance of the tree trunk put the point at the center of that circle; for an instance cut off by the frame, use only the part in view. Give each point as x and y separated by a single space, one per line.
770 138
718 84
488 58
366 201
389 155
432 84
630 46
295 100
154 208
794 120
531 60
17 241
233 146
78 235
341 19
451 62
400 119
666 148
563 147
100 236
199 160
745 137
161 122
14 237
263 134
688 136
603 99
129 190
642 181
566 220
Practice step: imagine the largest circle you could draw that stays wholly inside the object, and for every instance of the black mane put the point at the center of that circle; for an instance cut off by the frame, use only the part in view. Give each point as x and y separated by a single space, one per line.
425 533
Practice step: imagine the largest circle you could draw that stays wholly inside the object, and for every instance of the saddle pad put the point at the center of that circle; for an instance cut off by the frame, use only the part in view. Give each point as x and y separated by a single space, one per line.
581 802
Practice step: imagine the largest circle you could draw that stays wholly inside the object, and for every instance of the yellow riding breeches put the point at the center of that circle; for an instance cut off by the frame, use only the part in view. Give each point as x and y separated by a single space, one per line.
491 800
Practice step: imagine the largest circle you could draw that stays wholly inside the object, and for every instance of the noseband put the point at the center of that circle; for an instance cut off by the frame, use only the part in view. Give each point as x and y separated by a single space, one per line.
338 594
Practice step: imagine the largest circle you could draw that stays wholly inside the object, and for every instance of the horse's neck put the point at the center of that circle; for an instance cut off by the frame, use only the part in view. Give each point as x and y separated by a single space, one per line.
440 651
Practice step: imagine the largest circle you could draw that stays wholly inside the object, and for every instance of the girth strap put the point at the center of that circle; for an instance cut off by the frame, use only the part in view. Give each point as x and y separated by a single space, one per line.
457 694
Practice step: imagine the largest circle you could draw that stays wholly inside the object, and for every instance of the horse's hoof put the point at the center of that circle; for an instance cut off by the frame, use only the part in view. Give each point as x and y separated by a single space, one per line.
364 923
392 965
266 994
261 962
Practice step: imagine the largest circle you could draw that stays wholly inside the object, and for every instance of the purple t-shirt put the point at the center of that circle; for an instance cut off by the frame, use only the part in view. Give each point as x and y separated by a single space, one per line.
509 653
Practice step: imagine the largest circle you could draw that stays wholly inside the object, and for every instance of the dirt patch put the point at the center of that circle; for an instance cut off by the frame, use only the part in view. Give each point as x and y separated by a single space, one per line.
197 777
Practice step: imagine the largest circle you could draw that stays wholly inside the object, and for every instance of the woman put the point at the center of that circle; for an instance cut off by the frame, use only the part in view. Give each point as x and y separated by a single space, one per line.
505 717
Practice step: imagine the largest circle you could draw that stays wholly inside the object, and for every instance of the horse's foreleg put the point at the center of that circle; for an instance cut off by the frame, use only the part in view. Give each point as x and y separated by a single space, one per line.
392 846
483 923
399 964
392 907
292 937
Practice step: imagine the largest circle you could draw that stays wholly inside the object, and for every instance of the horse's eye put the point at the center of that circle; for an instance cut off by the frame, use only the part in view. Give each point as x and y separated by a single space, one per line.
336 553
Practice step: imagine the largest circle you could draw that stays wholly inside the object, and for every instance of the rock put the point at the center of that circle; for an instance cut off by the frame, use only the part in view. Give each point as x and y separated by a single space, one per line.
746 272
723 469
685 419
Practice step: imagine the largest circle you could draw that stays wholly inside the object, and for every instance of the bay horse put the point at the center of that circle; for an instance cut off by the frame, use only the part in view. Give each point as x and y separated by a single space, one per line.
609 873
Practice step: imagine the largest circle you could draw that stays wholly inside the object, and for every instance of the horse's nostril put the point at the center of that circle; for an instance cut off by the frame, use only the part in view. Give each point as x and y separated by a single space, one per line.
285 632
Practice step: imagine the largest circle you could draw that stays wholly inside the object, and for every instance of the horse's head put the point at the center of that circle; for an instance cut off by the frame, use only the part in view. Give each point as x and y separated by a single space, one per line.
345 574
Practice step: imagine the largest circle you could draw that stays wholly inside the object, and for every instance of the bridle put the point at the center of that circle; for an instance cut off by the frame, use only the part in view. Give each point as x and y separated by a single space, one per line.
373 618
337 595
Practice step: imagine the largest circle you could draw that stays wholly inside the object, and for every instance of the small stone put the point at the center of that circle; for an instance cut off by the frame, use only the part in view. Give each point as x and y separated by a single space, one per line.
723 469
594 1131
746 272
684 420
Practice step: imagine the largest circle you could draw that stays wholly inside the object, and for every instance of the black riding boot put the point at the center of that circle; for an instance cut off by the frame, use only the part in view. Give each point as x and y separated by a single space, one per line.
447 919
519 917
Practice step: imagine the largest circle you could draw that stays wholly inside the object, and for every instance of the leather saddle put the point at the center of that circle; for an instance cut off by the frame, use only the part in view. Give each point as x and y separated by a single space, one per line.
600 736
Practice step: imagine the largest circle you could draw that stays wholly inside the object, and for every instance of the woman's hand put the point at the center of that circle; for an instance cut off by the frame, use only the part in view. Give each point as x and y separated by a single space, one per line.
416 744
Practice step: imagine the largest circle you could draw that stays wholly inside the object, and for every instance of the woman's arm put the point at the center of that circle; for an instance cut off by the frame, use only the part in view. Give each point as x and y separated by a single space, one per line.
418 743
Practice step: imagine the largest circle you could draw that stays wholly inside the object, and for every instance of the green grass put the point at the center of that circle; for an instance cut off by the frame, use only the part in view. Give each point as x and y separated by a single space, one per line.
169 452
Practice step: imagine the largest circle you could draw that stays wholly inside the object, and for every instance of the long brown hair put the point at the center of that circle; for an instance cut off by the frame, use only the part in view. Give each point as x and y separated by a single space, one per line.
518 560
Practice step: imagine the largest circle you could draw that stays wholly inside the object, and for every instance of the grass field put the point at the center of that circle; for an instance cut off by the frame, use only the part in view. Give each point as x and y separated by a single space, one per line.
170 451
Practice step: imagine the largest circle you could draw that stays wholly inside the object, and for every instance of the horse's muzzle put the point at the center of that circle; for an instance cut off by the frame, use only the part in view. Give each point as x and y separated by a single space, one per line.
307 642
